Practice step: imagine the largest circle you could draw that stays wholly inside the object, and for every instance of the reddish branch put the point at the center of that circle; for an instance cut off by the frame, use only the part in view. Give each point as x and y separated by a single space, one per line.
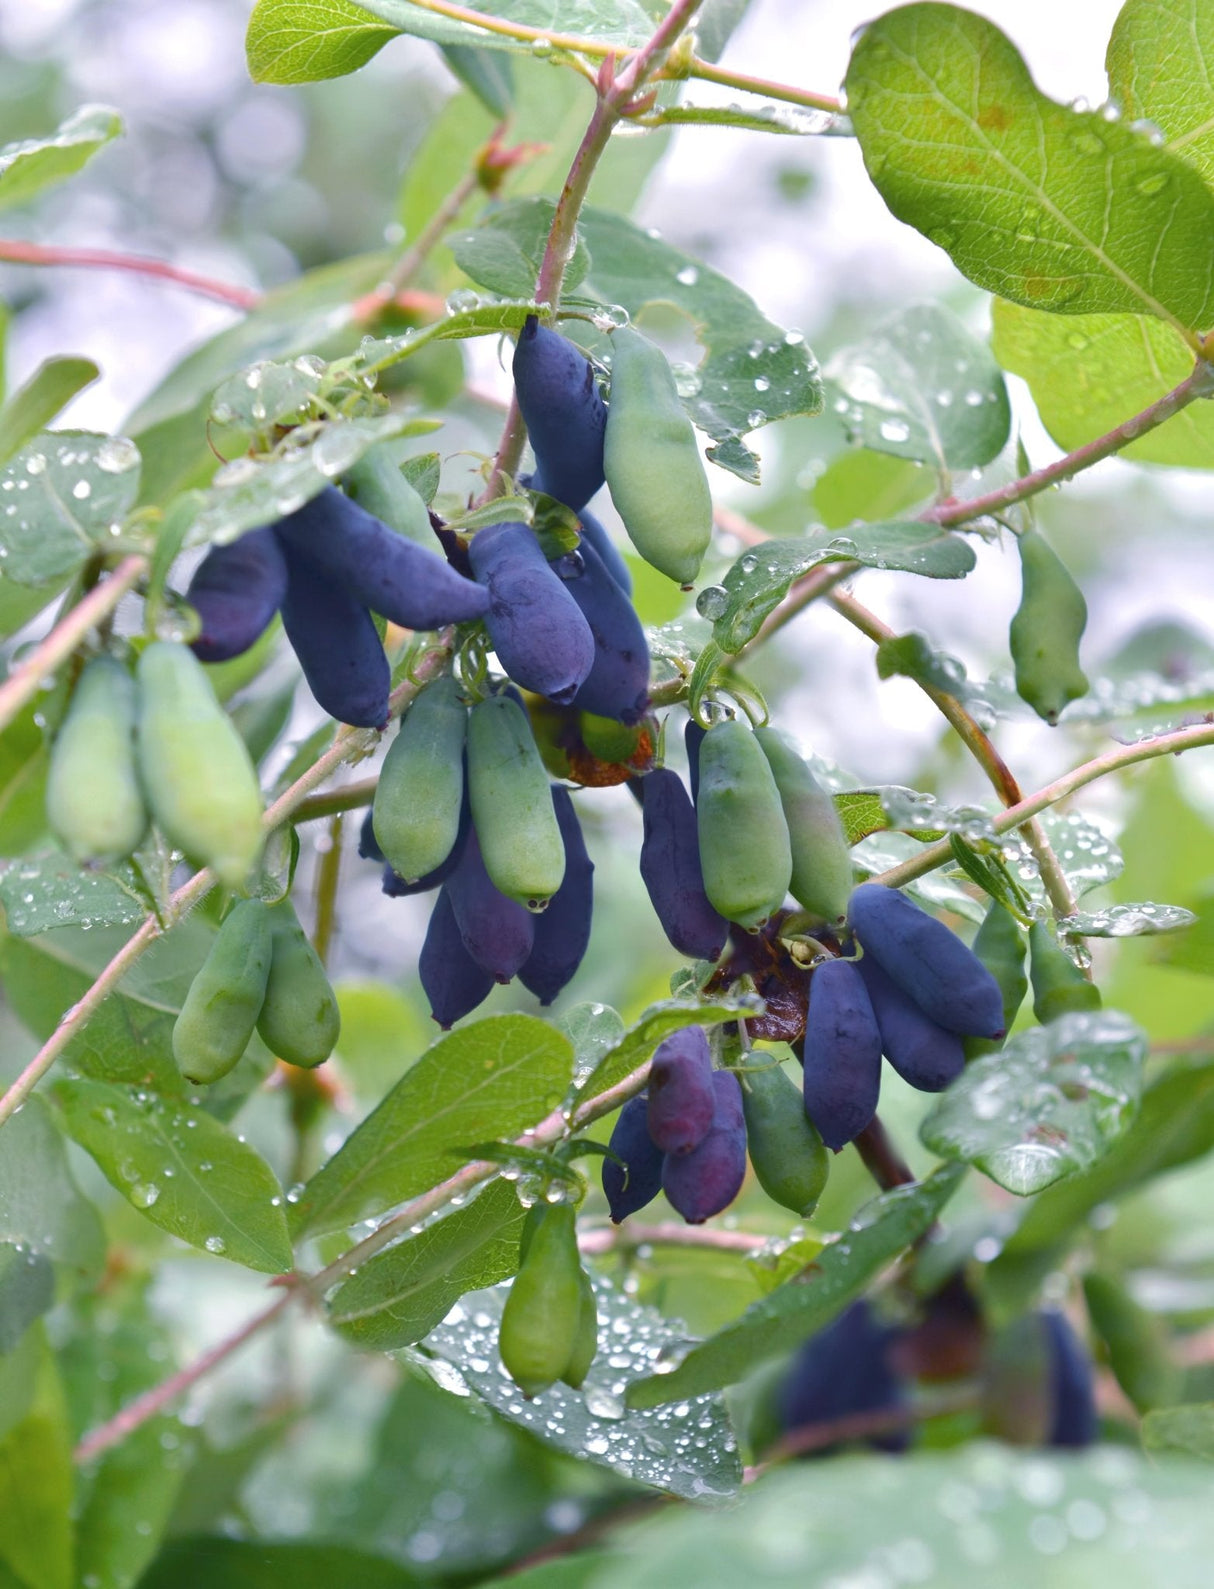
18 253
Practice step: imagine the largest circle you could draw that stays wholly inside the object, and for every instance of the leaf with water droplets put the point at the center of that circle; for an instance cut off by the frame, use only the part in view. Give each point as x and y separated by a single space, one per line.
1160 62
37 401
36 163
62 498
47 889
182 1169
593 1029
42 1211
1129 921
776 1323
495 1078
505 253
1051 206
398 1296
1052 1101
688 1450
657 1023
760 578
920 386
269 393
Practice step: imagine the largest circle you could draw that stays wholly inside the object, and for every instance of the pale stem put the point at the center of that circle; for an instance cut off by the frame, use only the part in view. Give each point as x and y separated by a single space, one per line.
19 253
614 1238
708 72
49 654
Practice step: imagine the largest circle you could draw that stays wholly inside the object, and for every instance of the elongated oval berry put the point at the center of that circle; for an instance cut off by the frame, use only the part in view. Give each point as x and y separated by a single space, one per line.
841 1054
334 637
788 1156
682 1102
652 460
640 1180
594 531
93 800
299 1019
822 875
1000 945
511 807
450 977
1072 1391
924 1054
537 629
744 847
394 884
1059 986
421 784
236 590
618 682
843 1370
562 932
670 868
1046 630
945 978
221 1008
497 932
406 583
586 1344
705 1181
563 412
376 483
542 1317
200 784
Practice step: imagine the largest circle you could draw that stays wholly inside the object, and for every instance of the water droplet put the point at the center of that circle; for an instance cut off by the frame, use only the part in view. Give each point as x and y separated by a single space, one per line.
116 455
687 276
712 602
81 490
463 301
215 1244
35 464
144 1194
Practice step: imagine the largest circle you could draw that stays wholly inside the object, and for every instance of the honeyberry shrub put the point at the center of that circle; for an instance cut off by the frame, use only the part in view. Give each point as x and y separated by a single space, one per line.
464 1362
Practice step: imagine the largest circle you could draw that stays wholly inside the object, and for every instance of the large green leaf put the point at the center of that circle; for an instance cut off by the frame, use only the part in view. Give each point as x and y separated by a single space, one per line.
1050 1102
182 1169
920 386
42 1211
759 580
208 1562
1160 62
688 1450
41 398
1088 373
776 1323
62 499
1047 205
400 1295
491 1080
36 1487
303 41
36 163
983 1515
48 890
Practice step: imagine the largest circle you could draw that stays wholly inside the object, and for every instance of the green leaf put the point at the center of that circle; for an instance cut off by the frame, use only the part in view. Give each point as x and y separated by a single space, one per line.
490 76
979 1515
623 22
201 1562
303 41
269 393
27 1291
42 1210
571 1572
495 1078
865 811
859 484
776 1323
752 372
639 1041
182 1169
1160 62
24 760
759 581
1174 1126
793 121
1181 1431
63 498
1129 921
1049 1102
36 163
48 889
36 1488
400 1295
920 386
594 1424
504 252
48 391
593 1029
1050 206
1089 373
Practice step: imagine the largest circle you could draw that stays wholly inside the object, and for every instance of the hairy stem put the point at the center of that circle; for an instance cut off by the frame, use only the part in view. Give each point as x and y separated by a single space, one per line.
1171 744
106 259
1197 385
347 742
25 681
346 797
